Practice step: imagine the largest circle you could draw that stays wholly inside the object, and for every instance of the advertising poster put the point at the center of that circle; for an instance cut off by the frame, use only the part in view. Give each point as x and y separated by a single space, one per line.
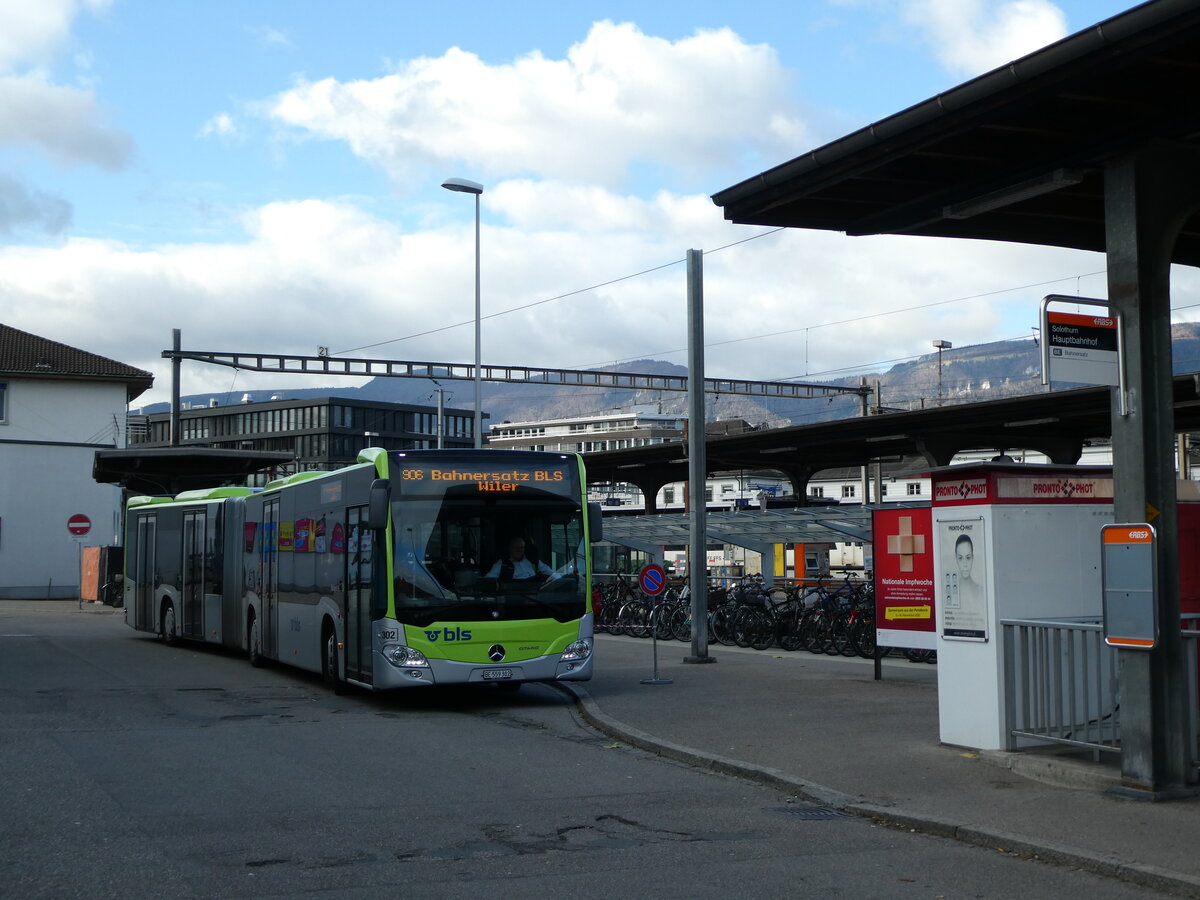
904 578
963 578
302 540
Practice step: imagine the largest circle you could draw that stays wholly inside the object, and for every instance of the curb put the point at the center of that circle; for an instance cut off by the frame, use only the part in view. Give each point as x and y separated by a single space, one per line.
1001 841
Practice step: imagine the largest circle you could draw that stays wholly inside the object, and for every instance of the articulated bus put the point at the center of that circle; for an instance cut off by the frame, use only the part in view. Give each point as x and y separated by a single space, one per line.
376 574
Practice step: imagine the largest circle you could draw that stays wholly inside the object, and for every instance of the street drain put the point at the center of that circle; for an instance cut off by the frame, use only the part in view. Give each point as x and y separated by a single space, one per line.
812 813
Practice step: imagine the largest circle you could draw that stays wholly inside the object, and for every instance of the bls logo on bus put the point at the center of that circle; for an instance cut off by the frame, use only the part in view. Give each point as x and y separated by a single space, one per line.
449 634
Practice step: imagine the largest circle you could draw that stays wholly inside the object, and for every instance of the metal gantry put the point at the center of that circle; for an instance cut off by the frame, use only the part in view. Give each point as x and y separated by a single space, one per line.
395 368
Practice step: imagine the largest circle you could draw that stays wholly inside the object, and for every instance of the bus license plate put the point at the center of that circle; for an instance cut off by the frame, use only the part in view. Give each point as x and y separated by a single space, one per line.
496 674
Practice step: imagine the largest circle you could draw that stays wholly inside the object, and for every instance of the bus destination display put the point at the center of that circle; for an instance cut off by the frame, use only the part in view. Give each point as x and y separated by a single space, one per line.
489 480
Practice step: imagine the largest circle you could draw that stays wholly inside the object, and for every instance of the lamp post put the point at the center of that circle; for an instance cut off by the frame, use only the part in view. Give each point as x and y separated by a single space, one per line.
941 345
471 187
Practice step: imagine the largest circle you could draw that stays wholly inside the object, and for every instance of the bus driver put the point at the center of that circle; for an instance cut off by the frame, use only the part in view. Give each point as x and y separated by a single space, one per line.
516 566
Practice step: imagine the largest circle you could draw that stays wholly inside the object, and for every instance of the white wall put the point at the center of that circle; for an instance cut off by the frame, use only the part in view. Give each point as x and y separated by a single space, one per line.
47 446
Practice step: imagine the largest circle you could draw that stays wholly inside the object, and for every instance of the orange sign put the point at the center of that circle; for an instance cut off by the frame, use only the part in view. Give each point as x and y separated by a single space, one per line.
1128 534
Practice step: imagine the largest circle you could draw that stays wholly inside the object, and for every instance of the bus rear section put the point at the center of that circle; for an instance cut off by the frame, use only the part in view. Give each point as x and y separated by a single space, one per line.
183 575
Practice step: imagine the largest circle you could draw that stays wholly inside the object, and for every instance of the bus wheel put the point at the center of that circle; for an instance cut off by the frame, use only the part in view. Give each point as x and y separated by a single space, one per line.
167 625
254 640
329 666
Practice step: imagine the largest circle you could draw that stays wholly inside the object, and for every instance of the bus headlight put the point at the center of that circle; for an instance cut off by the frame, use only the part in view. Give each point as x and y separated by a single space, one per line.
404 657
579 650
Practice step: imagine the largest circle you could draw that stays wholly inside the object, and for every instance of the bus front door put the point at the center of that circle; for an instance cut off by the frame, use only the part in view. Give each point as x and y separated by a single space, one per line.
359 553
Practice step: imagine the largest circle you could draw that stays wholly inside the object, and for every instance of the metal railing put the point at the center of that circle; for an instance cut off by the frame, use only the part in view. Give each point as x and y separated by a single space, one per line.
1189 626
1060 684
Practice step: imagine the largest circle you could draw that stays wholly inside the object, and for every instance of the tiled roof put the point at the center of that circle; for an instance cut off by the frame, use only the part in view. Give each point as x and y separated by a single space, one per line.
27 355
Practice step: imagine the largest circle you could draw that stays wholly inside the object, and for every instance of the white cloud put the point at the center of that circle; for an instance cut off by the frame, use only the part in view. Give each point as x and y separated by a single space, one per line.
32 33
272 37
315 273
970 37
23 207
220 125
618 98
63 121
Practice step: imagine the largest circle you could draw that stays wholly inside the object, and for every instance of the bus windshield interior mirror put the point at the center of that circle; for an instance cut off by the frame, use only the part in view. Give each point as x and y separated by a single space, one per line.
595 522
380 499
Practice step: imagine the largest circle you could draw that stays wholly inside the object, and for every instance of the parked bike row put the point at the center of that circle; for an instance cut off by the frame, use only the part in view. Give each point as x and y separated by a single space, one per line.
831 617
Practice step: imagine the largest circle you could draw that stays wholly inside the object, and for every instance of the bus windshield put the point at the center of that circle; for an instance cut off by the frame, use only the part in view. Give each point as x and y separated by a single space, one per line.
467 551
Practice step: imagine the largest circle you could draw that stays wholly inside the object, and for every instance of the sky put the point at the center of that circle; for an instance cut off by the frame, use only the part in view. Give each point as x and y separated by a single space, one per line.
266 177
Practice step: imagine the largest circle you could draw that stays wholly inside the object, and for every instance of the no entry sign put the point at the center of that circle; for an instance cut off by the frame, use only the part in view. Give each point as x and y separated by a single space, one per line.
79 524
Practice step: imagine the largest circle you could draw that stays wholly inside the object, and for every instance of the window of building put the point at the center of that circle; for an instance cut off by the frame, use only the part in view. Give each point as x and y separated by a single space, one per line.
3 402
883 490
848 490
669 495
816 492
914 489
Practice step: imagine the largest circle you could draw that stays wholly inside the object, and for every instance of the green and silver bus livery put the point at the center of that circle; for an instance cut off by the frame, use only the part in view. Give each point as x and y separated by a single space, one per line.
384 574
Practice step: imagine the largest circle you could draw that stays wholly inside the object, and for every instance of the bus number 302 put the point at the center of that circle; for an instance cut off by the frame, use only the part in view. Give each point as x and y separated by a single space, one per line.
388 634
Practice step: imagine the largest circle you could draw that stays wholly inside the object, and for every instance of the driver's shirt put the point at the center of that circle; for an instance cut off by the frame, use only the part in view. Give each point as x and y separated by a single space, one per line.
521 569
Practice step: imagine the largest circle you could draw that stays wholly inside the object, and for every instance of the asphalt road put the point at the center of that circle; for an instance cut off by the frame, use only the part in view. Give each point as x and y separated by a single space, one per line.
130 769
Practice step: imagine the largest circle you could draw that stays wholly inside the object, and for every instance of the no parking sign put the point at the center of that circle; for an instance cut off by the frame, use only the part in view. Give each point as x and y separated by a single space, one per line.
652 580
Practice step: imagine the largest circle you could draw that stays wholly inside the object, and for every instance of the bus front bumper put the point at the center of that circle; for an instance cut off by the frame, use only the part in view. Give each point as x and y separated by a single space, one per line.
552 667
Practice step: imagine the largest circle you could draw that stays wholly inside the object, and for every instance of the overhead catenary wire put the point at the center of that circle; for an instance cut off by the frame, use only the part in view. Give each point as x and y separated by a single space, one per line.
761 336
563 296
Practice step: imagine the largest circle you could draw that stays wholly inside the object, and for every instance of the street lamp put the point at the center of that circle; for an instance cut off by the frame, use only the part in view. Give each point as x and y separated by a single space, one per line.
941 345
471 187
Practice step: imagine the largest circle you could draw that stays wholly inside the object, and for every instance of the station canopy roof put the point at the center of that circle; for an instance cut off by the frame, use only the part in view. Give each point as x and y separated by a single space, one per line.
1016 154
1057 424
171 470
755 529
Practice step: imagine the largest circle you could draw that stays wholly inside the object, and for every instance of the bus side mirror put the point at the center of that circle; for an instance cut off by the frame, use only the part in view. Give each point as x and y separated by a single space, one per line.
595 522
380 500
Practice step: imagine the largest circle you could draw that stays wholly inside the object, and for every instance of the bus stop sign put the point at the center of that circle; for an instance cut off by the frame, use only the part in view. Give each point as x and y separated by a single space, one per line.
1129 578
652 580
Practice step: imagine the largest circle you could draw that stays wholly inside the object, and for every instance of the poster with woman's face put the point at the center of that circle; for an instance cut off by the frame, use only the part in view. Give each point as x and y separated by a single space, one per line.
962 579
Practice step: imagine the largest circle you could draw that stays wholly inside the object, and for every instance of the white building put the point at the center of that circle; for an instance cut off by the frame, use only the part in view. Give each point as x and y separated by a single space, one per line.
58 406
618 430
640 426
